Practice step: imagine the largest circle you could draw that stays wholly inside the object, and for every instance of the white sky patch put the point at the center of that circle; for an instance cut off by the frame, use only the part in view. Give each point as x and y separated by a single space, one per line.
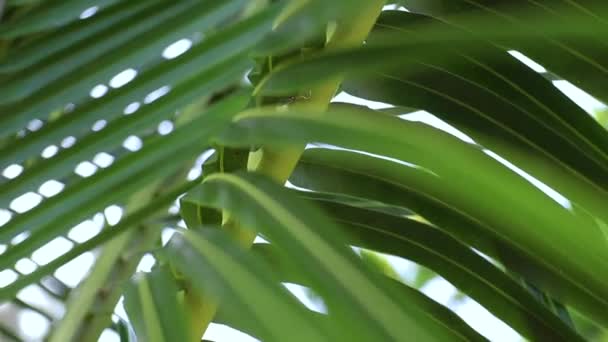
345 97
331 147
113 214
220 332
12 171
85 169
177 48
49 151
33 325
197 168
25 266
174 209
290 185
132 143
487 257
85 230
35 125
404 268
556 196
119 310
5 216
146 263
123 78
99 125
7 277
440 290
203 157
74 271
98 91
165 127
177 204
33 294
109 335
166 235
99 219
51 250
20 238
89 12
259 239
527 61
485 323
132 108
51 188
394 7
194 173
103 159
245 79
589 103
432 120
157 94
68 142
25 202
301 293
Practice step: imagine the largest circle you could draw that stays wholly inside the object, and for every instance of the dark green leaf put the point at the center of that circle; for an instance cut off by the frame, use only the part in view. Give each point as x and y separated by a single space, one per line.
456 262
541 232
437 311
580 60
228 274
51 15
70 36
504 106
160 157
313 244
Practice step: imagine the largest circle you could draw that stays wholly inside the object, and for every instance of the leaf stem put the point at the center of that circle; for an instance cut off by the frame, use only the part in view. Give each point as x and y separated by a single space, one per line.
278 163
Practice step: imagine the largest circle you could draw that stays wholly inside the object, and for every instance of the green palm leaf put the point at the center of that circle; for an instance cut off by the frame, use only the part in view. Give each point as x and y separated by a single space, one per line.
298 231
360 131
454 261
153 305
140 132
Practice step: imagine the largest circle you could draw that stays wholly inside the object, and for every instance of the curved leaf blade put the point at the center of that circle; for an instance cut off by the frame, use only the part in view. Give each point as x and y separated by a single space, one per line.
416 143
154 308
439 312
231 276
453 260
312 243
